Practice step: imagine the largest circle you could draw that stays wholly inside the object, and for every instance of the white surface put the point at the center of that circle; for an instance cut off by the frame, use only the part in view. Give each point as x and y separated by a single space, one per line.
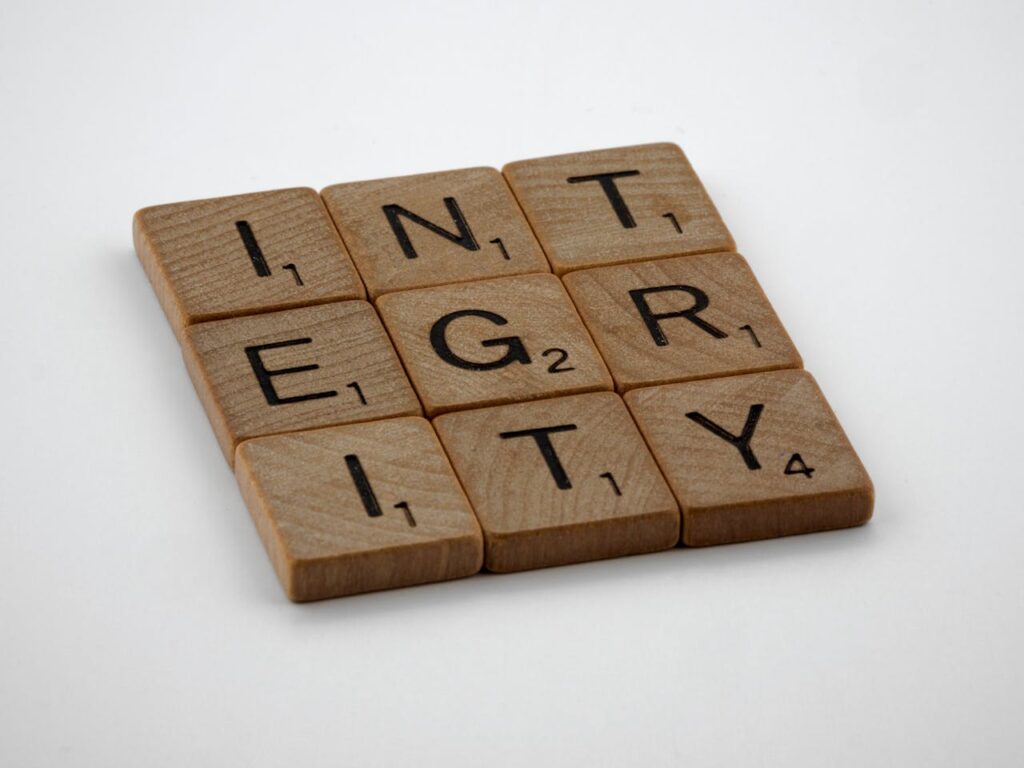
868 159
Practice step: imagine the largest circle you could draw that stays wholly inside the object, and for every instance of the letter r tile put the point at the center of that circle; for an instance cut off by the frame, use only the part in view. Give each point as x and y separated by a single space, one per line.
614 206
492 341
433 229
691 317
239 255
753 457
296 369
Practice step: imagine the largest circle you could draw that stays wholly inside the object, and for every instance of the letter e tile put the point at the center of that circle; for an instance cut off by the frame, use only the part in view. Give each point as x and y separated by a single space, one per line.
296 369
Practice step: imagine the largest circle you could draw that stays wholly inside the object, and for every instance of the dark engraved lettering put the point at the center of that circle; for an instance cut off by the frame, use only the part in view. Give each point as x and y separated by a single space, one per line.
753 336
464 236
611 191
515 351
359 391
404 506
362 483
797 466
504 253
611 479
741 443
253 248
264 375
541 436
675 222
558 365
653 319
295 273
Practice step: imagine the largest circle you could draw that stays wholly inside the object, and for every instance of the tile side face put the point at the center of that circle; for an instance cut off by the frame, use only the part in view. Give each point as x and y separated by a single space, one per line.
693 317
494 341
239 255
560 481
296 369
614 206
433 229
364 507
752 457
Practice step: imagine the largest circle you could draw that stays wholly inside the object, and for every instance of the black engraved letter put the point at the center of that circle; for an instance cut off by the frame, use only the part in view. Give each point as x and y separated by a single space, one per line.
252 247
741 443
547 450
362 484
651 319
264 375
515 349
463 237
607 182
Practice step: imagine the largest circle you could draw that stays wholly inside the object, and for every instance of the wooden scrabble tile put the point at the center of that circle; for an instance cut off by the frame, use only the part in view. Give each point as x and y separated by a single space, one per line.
359 508
692 317
296 369
560 481
433 229
228 256
617 205
753 457
492 341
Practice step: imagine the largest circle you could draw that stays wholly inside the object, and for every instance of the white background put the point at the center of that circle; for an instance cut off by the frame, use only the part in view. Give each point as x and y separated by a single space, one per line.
867 158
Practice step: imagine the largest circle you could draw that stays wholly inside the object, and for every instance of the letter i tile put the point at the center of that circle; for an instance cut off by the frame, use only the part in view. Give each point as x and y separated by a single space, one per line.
238 255
358 508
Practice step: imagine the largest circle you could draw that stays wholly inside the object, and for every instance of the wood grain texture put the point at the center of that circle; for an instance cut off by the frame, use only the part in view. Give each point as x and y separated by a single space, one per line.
633 313
604 496
484 211
201 267
724 496
303 491
580 223
531 322
344 342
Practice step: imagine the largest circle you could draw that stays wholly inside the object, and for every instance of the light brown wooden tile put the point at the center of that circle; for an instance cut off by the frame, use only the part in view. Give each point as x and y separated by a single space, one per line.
617 205
493 341
753 457
359 508
296 369
433 229
228 256
560 481
692 317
